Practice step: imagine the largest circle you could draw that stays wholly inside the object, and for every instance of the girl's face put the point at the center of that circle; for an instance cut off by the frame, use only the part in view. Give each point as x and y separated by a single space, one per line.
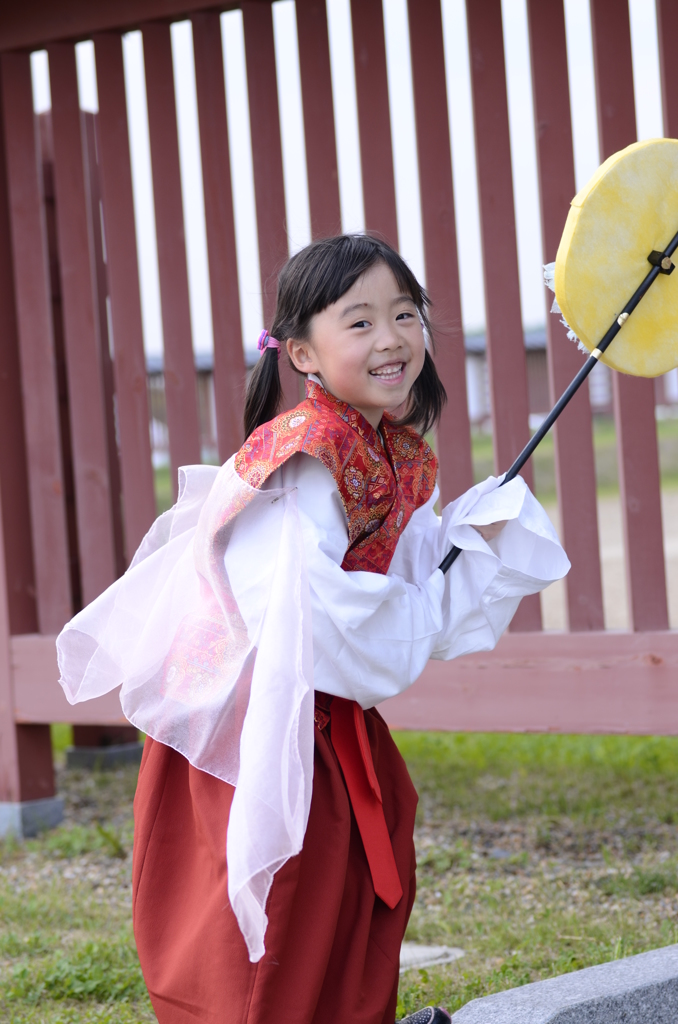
367 348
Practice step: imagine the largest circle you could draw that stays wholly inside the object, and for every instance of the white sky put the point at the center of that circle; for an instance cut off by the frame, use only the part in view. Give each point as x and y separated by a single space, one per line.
648 105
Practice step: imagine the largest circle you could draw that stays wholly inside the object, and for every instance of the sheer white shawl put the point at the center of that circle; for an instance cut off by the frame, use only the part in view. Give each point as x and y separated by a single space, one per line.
237 703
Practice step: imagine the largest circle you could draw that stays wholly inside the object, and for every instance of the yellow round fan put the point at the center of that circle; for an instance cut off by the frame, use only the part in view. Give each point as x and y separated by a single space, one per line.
628 210
613 274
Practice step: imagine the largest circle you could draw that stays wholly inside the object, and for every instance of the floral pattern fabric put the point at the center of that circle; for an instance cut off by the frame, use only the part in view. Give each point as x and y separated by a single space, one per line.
380 483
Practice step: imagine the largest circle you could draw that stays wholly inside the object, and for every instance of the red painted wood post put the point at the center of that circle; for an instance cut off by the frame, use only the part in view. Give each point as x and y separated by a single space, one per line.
633 397
440 240
374 119
17 577
85 386
575 466
26 766
10 788
316 91
179 363
667 33
36 347
269 186
123 287
229 358
504 330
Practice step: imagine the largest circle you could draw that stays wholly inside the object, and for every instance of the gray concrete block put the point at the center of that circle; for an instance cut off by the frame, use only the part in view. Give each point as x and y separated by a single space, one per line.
640 989
28 817
103 758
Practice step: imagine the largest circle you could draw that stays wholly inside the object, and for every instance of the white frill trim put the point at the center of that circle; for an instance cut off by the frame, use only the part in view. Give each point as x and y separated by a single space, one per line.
549 281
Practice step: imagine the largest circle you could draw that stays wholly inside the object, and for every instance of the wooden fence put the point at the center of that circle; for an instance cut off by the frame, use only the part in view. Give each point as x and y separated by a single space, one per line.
75 463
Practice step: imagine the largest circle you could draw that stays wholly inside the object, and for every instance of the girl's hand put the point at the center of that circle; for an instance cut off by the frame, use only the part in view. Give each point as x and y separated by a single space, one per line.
492 530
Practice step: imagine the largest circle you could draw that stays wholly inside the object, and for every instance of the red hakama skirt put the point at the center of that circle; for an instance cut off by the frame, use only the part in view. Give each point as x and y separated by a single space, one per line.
332 946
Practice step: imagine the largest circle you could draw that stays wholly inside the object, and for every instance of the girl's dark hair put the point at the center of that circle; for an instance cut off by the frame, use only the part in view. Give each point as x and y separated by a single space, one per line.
315 278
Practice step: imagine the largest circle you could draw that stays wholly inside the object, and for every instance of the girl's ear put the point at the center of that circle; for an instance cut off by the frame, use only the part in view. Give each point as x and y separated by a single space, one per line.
302 356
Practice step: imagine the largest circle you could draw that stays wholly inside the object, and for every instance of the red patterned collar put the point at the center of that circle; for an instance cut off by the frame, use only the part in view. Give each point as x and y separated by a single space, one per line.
316 393
380 484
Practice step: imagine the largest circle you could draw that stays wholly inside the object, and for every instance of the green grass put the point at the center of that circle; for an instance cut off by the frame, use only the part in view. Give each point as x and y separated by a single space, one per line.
62 737
502 776
537 854
605 448
164 498
67 952
89 971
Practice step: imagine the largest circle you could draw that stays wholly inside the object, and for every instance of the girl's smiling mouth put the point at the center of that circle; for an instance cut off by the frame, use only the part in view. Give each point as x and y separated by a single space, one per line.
389 372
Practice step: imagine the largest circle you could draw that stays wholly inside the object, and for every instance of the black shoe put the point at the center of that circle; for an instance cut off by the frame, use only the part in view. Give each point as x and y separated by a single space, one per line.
429 1015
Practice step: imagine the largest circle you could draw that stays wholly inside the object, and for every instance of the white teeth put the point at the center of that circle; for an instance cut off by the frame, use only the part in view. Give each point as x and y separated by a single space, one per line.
388 372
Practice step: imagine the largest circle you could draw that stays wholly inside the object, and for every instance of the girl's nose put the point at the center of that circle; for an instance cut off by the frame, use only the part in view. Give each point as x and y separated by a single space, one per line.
388 339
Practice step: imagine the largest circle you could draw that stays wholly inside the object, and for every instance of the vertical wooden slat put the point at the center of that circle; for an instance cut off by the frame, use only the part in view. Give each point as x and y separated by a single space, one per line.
36 347
16 517
269 186
229 359
100 271
374 118
123 285
316 91
440 239
615 101
633 397
90 454
505 341
179 363
667 33
575 466
45 134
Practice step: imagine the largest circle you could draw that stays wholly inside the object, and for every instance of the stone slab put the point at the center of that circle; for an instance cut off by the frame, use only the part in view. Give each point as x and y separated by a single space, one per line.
414 955
26 818
103 758
639 989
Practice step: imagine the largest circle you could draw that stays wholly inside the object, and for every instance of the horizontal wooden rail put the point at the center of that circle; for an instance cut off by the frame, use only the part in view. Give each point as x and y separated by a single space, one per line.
38 698
546 682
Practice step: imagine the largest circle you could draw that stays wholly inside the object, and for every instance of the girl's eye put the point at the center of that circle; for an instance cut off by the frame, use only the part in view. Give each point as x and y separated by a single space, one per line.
404 315
361 323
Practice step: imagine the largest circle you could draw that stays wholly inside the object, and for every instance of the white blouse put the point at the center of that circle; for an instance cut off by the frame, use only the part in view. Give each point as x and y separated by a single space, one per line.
373 634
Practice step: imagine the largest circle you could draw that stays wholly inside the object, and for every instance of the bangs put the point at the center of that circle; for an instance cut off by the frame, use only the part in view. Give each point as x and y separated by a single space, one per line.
318 276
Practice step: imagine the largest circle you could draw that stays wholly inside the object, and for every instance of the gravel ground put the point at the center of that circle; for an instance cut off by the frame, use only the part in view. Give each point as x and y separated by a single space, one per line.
533 898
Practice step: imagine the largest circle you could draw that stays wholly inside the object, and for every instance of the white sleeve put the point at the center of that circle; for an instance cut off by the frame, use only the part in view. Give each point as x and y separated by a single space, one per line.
373 634
487 581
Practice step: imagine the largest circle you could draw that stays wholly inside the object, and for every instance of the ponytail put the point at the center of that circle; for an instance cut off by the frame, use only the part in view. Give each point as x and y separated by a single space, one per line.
264 391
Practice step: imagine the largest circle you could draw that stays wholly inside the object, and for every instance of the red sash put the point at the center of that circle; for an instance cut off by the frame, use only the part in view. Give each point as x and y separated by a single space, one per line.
352 747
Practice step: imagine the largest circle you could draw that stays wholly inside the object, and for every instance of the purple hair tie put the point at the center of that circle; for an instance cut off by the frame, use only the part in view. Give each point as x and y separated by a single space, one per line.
266 341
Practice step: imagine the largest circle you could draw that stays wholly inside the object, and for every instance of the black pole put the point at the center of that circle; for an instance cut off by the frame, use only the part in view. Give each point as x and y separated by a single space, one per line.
661 264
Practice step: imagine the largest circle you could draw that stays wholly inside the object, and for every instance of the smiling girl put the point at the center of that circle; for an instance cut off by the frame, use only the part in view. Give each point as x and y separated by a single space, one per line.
262 621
